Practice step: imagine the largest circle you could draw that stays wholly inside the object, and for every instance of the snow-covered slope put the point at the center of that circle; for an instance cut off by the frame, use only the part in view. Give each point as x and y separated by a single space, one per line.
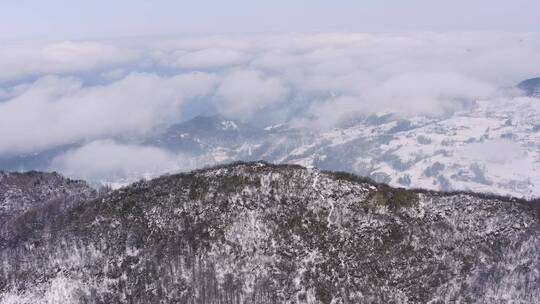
20 192
494 146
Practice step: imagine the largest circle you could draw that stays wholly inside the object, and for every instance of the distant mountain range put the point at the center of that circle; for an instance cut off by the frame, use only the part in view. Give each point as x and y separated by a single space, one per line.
492 146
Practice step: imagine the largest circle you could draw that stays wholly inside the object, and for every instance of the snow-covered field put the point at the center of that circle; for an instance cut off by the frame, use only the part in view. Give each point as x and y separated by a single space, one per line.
492 147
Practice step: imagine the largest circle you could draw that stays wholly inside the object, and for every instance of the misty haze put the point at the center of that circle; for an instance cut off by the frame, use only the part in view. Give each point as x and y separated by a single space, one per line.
278 152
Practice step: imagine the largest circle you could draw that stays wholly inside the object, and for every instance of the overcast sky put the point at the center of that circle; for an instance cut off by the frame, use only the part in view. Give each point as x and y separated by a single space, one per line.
68 19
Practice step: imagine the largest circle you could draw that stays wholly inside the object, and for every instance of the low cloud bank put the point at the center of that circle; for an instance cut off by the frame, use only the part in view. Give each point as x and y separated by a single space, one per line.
58 110
107 161
22 60
316 80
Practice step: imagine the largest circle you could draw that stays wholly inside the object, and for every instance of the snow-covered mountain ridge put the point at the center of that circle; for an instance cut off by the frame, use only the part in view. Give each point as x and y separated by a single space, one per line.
262 233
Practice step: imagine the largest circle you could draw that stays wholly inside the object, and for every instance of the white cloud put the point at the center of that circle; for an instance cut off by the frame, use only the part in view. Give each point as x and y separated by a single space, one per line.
319 78
4 94
499 158
326 114
21 60
426 93
114 74
109 161
106 161
407 94
416 73
496 151
206 58
54 111
244 92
